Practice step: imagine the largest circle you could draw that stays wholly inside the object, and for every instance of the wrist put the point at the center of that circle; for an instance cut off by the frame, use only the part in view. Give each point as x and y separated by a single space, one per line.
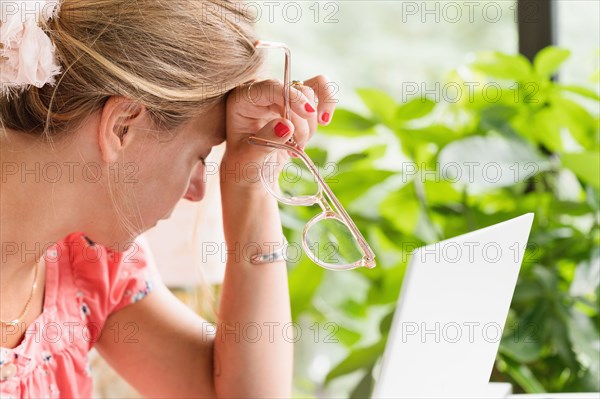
244 187
251 217
241 174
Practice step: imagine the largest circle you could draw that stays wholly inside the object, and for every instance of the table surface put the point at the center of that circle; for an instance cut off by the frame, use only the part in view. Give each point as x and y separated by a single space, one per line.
582 395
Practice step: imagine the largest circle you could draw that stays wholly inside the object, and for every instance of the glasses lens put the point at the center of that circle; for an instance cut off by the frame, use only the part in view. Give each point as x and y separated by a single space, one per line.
330 242
289 178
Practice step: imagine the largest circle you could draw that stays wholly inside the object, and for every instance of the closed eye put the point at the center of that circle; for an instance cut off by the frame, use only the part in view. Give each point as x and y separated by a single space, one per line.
203 158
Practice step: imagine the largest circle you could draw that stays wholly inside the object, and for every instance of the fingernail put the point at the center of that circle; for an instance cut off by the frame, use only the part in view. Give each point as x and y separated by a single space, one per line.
325 117
309 107
281 129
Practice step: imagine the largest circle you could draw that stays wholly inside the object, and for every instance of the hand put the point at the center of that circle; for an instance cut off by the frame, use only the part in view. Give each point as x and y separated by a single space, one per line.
311 105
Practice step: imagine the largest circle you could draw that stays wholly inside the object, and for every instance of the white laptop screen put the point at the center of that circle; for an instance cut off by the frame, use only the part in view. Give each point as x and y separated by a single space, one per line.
451 313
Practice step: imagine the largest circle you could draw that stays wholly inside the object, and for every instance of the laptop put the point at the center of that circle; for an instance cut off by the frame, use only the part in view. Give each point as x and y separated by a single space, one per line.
450 314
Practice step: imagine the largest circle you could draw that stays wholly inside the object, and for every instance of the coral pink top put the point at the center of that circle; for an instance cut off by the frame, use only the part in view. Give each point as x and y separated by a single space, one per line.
85 283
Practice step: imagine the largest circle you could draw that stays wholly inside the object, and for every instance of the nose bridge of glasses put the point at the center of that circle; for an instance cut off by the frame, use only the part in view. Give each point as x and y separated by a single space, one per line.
320 200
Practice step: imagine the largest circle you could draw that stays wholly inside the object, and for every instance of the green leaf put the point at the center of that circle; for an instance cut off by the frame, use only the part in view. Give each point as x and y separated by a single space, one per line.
580 90
559 337
586 165
385 247
304 280
485 163
586 277
357 359
503 66
576 119
344 335
401 209
497 116
387 289
349 124
549 59
386 323
527 292
362 160
438 134
521 351
438 192
318 155
348 186
586 342
354 309
545 128
414 109
364 388
381 105
524 377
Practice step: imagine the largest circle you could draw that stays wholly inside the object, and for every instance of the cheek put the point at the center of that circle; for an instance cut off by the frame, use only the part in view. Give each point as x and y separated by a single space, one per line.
177 182
161 186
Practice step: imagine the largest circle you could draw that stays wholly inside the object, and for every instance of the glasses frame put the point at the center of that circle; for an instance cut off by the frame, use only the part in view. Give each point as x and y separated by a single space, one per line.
336 210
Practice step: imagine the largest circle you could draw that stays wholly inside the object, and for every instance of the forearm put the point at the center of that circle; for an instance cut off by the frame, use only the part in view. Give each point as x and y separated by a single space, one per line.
252 356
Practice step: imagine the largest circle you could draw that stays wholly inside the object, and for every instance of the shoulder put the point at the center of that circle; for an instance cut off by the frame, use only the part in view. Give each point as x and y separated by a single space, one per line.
106 280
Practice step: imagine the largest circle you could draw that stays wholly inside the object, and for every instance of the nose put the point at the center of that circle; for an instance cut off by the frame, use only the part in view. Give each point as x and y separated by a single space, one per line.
197 184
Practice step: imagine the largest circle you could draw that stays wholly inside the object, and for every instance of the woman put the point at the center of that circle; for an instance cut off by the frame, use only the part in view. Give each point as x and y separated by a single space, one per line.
98 152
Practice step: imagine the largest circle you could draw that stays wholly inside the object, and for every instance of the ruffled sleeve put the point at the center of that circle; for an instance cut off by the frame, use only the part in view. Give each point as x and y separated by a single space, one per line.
108 280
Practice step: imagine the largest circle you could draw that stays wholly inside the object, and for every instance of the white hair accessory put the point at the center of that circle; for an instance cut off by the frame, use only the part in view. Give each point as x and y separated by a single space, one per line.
27 55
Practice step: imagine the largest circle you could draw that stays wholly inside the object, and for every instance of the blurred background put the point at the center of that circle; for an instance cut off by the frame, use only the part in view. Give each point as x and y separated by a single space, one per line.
421 85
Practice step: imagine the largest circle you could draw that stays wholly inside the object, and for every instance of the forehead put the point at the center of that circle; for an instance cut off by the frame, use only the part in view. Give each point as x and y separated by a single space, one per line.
210 125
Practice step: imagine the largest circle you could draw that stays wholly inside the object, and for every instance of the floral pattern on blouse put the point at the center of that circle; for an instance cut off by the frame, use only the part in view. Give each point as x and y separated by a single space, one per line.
81 292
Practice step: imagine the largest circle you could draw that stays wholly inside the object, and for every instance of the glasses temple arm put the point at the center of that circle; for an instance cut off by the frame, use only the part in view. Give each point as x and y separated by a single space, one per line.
286 72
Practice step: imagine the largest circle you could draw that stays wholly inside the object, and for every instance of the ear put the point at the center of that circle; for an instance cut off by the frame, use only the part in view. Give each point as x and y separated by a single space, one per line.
115 129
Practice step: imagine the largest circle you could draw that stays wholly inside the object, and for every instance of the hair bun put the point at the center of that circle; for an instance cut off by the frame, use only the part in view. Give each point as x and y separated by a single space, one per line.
27 55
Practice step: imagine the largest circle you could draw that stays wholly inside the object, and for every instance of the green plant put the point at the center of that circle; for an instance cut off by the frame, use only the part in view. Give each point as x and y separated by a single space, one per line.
545 141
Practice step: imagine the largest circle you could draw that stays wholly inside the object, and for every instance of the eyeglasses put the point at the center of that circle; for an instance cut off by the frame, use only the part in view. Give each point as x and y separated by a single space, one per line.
330 239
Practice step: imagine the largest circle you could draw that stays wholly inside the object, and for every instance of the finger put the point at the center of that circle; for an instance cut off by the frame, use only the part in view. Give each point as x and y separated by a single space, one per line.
278 130
312 119
327 101
301 131
268 92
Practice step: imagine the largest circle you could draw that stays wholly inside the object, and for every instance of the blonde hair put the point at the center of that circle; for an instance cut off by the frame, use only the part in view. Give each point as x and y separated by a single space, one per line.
175 57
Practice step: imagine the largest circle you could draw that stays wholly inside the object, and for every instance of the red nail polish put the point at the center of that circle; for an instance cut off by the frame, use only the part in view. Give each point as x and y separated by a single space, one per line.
309 107
281 130
326 117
